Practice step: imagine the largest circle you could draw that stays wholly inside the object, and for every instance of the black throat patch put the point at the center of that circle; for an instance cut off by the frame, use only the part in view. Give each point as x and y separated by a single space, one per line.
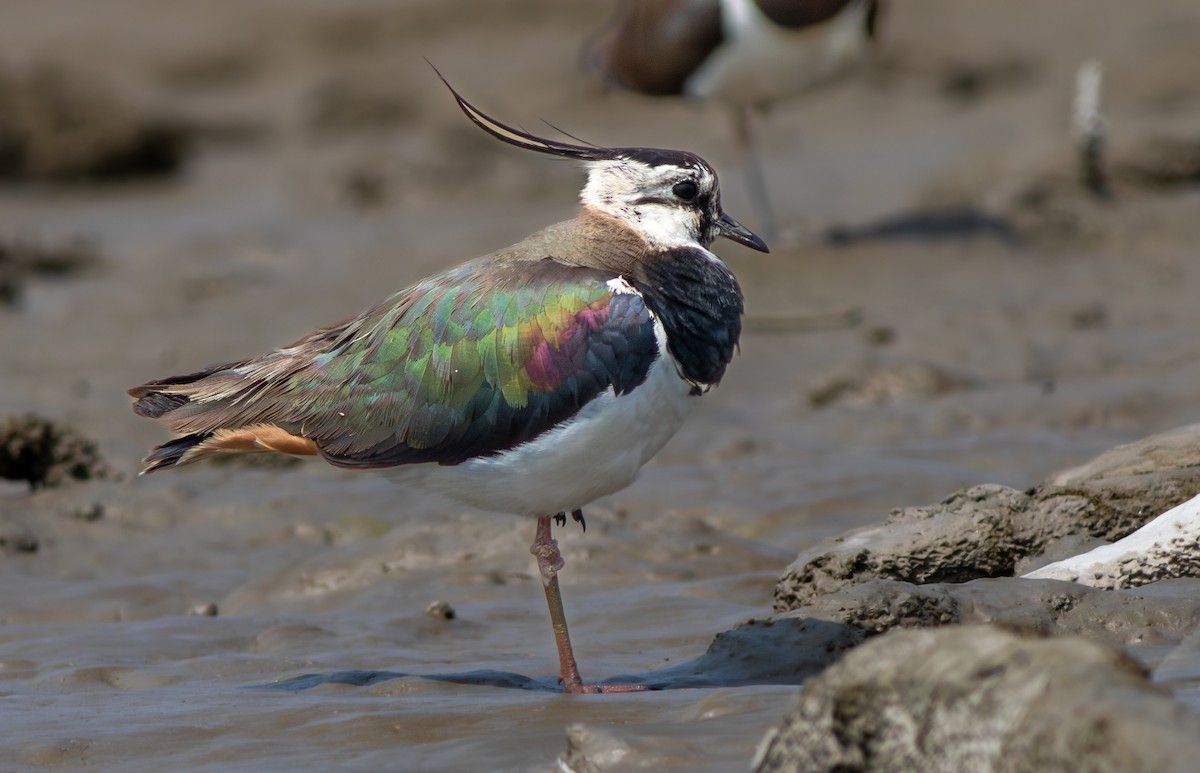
700 304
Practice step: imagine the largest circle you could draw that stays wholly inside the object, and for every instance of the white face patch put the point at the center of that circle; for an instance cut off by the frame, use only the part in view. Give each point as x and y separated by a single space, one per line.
643 196
667 226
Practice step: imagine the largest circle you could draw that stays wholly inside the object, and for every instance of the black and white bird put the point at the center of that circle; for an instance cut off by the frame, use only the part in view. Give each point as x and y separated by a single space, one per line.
747 54
531 381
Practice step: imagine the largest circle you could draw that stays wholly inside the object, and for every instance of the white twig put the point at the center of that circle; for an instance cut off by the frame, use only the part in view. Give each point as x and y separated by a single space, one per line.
1087 126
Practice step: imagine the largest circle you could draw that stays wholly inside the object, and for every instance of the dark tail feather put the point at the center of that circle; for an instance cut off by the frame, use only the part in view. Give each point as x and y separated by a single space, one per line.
153 404
169 454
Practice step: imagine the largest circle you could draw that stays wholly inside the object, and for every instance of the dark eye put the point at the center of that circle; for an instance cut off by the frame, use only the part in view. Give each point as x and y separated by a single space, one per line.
686 190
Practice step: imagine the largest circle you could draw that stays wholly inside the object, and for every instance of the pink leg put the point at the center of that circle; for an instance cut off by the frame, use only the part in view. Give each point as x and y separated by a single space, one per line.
550 561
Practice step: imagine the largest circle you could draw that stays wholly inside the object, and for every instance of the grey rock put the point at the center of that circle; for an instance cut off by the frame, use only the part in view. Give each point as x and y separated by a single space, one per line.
991 530
1120 490
1057 550
982 699
1174 449
967 536
1158 613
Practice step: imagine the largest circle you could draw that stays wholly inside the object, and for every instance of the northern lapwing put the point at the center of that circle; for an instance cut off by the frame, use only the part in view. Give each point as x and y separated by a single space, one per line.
747 54
531 381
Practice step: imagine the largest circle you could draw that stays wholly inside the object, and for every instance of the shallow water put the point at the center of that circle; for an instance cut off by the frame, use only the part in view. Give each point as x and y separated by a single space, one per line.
1028 358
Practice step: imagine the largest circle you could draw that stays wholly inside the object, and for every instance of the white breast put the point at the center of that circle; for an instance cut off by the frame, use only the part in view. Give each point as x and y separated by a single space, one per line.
597 452
762 62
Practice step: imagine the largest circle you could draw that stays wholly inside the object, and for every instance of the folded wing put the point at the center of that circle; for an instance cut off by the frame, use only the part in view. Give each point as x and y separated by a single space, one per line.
469 363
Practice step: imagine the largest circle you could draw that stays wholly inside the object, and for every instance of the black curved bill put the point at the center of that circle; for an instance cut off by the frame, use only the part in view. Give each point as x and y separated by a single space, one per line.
732 229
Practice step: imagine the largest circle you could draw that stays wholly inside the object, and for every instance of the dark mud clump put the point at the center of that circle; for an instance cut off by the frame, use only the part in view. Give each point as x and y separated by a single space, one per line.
21 261
44 453
18 543
58 125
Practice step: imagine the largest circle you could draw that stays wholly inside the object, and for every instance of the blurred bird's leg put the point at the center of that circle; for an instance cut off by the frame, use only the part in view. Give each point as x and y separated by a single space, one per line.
550 561
756 183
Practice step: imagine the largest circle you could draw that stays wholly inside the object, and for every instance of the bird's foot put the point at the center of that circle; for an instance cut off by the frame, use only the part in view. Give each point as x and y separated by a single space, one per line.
550 561
576 515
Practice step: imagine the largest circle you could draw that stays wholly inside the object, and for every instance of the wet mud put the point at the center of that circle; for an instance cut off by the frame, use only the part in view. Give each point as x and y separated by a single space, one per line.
951 307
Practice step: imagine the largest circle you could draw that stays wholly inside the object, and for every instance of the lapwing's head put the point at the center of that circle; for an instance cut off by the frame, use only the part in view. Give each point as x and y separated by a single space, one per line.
670 197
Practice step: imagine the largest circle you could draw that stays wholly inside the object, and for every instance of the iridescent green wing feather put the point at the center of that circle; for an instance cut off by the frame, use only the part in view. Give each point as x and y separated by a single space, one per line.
469 363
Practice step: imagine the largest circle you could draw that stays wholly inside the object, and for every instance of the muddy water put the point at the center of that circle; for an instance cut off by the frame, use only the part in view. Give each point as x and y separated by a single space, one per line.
877 374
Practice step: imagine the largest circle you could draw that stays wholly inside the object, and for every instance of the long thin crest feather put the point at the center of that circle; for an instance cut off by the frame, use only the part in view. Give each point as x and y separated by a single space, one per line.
519 138
566 133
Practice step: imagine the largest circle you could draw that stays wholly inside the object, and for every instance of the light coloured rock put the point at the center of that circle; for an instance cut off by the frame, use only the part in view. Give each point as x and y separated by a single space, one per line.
1166 548
1177 448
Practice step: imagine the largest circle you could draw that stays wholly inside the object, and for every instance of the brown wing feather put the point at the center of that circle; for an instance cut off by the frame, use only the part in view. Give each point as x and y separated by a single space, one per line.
652 46
795 14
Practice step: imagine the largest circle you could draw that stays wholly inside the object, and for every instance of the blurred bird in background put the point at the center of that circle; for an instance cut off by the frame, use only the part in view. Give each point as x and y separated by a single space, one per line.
747 54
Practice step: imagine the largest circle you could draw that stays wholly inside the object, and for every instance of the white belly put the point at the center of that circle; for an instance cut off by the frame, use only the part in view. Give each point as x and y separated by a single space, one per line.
599 451
763 63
